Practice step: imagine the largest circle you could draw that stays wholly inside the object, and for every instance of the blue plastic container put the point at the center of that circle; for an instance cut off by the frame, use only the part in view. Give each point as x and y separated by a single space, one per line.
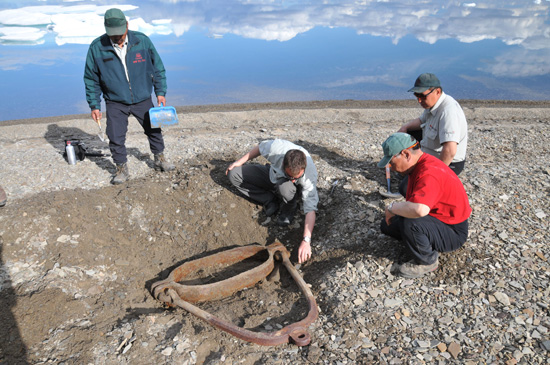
163 116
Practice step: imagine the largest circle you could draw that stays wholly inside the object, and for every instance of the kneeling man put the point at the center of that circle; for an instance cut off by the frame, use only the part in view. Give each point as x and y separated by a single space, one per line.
290 174
434 217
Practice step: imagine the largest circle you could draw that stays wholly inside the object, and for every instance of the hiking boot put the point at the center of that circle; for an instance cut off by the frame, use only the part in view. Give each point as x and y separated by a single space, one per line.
3 197
271 208
413 270
162 164
121 174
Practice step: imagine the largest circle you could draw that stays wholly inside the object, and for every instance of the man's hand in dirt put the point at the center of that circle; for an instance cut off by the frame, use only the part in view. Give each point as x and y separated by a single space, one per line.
232 166
96 115
304 252
250 155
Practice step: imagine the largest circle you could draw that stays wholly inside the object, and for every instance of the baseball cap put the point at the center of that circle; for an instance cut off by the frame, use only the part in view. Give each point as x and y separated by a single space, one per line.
425 82
115 22
395 143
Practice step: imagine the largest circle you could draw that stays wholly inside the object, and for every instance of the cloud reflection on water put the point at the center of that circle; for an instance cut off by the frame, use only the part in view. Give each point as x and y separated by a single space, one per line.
499 43
525 22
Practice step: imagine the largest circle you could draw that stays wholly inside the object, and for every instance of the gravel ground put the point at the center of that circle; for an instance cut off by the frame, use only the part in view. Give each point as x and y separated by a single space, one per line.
78 255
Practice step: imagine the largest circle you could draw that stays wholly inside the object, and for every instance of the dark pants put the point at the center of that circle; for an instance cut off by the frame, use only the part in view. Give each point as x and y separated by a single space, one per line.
425 237
253 181
117 127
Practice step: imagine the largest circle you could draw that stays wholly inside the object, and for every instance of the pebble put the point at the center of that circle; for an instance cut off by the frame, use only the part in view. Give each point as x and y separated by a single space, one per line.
487 303
167 351
389 302
502 298
454 349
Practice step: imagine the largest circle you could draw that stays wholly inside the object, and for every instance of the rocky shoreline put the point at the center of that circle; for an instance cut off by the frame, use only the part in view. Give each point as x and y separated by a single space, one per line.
78 255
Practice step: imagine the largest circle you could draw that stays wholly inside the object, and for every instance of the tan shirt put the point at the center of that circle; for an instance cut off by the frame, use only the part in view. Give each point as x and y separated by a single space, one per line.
444 122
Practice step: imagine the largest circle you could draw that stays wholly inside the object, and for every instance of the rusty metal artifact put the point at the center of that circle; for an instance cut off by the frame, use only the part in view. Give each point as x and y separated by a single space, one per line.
171 292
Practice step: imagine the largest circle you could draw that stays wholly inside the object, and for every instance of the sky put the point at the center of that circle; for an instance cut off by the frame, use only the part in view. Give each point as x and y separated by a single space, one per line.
230 51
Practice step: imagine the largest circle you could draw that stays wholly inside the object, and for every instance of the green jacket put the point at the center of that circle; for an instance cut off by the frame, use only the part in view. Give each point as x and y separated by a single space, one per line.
104 72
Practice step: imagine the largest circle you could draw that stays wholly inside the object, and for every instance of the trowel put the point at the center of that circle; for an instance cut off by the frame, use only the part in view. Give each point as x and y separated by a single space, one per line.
389 194
101 134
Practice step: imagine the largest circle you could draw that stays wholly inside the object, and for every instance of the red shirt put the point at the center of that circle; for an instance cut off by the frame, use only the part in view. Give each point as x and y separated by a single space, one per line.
434 184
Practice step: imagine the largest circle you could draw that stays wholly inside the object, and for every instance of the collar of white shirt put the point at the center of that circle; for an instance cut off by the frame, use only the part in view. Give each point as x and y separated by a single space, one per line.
120 47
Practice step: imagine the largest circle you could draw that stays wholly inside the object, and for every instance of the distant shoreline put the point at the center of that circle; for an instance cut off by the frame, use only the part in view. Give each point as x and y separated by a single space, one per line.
320 104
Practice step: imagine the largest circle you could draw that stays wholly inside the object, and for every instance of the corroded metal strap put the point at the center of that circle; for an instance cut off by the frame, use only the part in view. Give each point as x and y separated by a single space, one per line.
166 291
220 289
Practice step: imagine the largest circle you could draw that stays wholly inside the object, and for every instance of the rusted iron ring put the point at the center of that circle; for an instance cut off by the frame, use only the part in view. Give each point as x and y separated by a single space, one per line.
170 291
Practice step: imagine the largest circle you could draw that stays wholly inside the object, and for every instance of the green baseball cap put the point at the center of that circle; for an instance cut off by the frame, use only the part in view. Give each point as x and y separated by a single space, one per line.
395 143
424 82
115 22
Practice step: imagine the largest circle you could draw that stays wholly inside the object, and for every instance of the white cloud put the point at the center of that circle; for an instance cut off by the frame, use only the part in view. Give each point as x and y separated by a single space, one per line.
524 22
519 63
161 26
24 17
80 28
21 34
75 24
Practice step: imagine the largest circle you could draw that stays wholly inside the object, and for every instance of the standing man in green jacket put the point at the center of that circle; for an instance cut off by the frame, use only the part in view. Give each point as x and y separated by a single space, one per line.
124 66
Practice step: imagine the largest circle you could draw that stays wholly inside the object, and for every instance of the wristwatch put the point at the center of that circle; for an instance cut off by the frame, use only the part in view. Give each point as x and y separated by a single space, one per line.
390 207
307 239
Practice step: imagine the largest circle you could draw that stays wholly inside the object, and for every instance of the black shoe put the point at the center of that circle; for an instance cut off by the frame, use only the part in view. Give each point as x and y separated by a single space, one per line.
285 218
271 208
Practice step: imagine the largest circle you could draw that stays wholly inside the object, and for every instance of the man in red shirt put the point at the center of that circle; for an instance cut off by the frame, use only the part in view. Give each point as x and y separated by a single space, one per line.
434 217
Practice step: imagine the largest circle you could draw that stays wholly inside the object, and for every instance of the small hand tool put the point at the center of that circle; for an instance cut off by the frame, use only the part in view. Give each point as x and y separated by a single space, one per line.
389 194
101 134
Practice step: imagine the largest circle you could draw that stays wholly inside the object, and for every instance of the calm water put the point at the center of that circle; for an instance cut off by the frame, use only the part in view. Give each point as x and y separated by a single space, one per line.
228 51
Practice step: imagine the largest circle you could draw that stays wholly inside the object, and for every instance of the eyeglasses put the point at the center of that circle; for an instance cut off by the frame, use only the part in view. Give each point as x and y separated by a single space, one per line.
391 159
424 96
294 178
397 154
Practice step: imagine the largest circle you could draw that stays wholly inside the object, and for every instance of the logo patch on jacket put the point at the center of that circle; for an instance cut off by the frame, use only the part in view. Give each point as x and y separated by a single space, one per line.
138 58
